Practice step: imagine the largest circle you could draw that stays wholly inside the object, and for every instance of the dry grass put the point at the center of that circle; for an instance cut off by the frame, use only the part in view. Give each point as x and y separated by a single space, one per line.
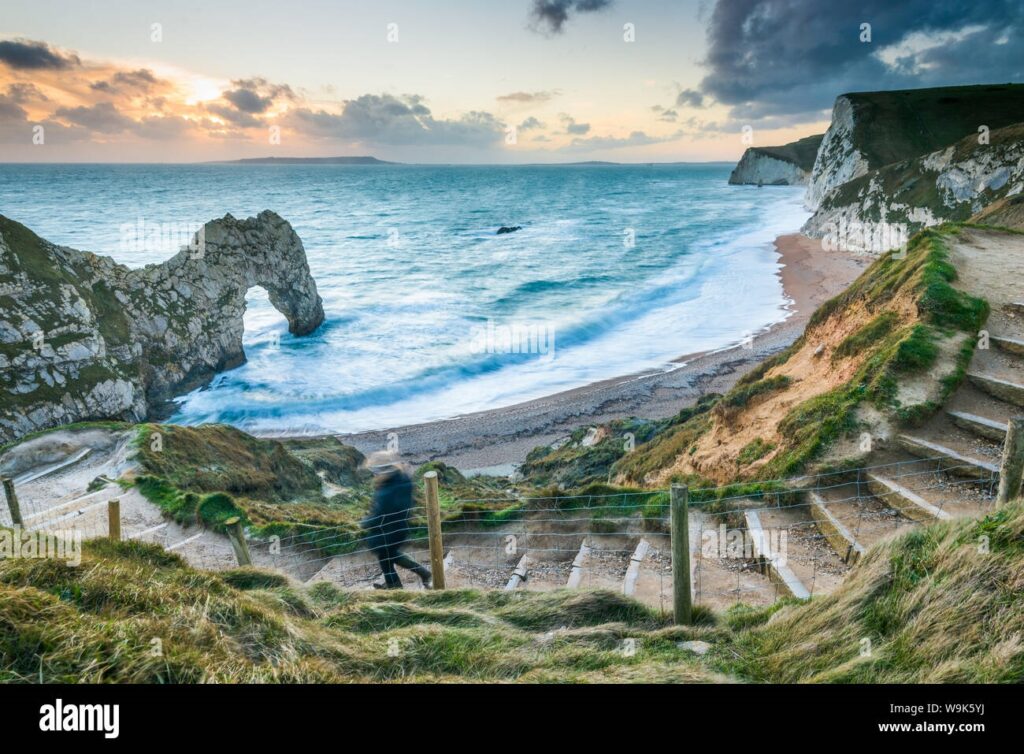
935 605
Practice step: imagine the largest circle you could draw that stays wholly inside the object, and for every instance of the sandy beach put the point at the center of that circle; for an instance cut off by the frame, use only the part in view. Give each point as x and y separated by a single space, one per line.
496 440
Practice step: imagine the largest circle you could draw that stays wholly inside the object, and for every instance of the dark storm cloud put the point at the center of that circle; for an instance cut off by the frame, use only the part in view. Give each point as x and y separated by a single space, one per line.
553 14
405 120
28 55
774 57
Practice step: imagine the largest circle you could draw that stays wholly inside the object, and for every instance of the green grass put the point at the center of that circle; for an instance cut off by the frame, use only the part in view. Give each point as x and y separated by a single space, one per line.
931 606
755 450
903 124
867 336
891 353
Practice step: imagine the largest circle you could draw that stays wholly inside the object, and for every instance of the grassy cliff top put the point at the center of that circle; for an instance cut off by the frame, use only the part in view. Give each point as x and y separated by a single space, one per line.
903 124
938 604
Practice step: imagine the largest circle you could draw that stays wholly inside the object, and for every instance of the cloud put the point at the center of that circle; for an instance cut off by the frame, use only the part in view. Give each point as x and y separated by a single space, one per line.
572 127
163 128
22 92
527 98
248 99
405 120
666 114
16 128
530 124
784 57
689 98
28 55
141 80
10 110
234 116
553 14
102 117
635 139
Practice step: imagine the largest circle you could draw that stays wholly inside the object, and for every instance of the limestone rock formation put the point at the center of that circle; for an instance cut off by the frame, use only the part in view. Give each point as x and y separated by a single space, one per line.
950 184
894 162
788 165
83 337
871 130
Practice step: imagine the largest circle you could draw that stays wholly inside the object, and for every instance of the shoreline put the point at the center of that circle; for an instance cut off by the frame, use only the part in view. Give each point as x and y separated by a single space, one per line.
496 440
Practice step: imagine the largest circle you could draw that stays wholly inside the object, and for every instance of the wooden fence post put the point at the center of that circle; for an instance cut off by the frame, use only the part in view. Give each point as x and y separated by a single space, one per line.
237 535
1011 473
114 519
434 530
682 601
12 501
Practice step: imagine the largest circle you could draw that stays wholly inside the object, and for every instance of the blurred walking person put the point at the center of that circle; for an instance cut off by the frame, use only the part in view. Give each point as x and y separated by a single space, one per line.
388 521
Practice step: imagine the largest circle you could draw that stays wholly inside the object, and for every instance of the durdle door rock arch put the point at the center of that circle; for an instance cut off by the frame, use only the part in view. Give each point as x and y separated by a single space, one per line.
83 337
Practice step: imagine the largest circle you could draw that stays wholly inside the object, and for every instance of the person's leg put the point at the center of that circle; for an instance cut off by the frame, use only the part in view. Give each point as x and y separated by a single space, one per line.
387 560
406 562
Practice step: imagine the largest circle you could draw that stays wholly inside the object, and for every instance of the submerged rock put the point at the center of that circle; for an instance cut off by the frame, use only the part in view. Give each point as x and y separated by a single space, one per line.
83 337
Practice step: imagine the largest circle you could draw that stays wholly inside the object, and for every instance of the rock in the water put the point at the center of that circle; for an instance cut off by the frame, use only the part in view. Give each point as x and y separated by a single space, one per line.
509 229
82 337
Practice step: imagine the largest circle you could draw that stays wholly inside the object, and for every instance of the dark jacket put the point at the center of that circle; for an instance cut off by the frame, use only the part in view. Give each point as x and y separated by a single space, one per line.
388 521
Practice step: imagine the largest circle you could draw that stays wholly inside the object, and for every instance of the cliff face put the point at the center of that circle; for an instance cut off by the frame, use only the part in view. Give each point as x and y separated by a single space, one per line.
82 337
903 155
950 184
788 165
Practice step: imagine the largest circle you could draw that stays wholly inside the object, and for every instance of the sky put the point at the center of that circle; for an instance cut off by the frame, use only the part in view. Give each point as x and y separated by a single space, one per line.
468 81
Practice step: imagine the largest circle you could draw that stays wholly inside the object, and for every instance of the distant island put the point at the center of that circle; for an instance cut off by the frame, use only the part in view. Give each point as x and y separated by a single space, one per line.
306 161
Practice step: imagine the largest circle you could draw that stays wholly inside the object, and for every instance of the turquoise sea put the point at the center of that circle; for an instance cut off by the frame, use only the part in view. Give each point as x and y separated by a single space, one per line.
430 312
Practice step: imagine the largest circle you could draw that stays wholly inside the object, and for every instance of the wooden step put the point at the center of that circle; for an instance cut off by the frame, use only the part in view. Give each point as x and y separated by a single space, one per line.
979 425
1010 345
841 538
909 503
778 570
948 459
1004 390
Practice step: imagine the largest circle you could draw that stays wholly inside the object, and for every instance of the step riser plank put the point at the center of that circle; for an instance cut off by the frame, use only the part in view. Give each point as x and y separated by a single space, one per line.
911 505
1010 392
949 460
1009 345
837 535
778 571
979 425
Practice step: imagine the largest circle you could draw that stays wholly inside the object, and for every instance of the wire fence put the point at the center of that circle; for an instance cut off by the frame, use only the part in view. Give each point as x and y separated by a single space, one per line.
788 537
